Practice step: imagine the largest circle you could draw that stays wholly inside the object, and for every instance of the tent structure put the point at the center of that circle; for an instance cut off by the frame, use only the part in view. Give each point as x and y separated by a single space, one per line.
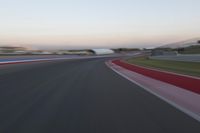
102 51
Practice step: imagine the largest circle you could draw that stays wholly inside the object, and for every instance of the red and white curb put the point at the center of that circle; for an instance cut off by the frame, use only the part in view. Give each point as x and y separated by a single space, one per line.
182 99
186 82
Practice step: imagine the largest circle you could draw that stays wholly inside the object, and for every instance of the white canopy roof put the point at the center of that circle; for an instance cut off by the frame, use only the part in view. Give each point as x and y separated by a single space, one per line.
103 51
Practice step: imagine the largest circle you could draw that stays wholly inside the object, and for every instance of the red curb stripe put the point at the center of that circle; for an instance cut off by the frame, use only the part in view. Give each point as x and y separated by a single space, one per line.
188 83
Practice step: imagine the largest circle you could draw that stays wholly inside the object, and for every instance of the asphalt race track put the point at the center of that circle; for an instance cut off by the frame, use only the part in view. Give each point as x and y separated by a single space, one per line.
81 96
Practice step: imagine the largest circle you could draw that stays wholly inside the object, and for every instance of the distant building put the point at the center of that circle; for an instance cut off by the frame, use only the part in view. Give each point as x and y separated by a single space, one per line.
125 50
158 52
40 52
12 50
102 51
74 52
86 52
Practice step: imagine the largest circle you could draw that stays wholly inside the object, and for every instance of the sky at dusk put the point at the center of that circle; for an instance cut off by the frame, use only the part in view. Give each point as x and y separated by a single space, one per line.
97 23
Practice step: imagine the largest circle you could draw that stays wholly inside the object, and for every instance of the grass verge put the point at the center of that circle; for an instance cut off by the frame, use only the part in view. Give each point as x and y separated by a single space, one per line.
188 68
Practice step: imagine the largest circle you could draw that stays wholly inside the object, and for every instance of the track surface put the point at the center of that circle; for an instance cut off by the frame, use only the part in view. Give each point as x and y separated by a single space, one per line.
81 96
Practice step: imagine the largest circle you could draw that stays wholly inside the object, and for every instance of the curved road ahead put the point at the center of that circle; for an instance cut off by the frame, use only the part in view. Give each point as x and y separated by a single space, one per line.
81 96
